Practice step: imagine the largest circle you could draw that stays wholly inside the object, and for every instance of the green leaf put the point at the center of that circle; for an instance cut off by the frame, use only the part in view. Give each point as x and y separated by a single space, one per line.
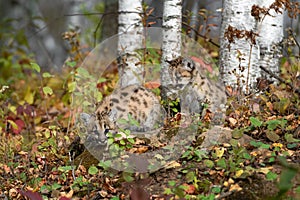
291 145
200 154
131 140
168 191
122 142
99 96
247 156
83 72
71 63
102 80
256 144
290 138
105 164
93 170
272 159
271 176
190 176
216 190
65 168
133 121
122 121
209 163
175 110
71 86
255 122
237 133
36 67
265 146
47 75
127 177
55 186
110 141
47 90
272 124
221 163
172 183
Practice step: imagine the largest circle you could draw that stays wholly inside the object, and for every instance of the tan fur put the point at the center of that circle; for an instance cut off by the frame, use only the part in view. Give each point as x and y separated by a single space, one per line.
194 88
134 102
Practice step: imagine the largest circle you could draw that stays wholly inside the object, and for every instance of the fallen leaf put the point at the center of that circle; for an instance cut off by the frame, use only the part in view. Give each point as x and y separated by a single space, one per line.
31 195
235 187
151 85
271 135
190 189
232 121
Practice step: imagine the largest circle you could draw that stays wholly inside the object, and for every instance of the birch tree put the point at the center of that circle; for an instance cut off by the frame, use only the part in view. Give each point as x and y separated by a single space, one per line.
239 56
130 39
171 46
263 30
270 36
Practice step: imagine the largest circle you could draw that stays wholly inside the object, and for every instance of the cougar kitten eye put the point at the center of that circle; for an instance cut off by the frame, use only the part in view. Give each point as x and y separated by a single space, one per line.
94 130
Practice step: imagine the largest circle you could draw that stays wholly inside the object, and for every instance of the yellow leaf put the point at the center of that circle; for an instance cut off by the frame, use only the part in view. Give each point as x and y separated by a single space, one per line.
220 152
13 109
172 164
239 173
235 187
264 170
13 124
29 95
277 145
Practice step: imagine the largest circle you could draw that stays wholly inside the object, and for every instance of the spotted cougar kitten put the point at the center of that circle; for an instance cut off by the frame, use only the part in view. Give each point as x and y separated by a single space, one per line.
194 89
133 103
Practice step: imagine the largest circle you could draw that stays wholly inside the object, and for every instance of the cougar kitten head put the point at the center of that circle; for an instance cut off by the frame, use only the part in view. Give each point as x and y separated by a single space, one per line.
97 128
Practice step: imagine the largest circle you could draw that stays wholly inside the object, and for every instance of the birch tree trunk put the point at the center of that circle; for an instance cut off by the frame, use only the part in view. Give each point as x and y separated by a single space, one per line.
239 64
270 31
171 46
130 39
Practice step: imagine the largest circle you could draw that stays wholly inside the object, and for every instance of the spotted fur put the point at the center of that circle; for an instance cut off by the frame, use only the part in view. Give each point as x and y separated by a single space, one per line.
134 102
194 89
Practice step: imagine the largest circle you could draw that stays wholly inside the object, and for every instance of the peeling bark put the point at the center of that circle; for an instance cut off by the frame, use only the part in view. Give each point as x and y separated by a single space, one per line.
270 39
238 73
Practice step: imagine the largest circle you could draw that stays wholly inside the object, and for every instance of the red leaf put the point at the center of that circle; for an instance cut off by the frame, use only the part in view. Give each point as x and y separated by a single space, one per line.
64 198
14 125
20 110
20 123
31 195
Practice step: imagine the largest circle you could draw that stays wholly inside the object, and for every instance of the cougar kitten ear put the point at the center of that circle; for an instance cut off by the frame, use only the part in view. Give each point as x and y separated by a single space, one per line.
85 118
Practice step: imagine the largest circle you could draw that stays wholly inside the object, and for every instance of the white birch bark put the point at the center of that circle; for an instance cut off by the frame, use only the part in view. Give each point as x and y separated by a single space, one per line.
270 31
237 13
130 39
171 46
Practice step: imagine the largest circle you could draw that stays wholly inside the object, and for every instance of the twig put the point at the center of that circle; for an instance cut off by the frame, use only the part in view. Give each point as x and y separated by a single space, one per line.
202 36
226 194
297 90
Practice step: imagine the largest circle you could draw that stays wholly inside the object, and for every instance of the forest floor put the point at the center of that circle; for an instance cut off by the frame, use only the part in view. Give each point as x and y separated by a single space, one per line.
256 155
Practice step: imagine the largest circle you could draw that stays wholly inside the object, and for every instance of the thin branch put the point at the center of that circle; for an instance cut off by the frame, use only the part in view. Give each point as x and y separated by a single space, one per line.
297 90
202 36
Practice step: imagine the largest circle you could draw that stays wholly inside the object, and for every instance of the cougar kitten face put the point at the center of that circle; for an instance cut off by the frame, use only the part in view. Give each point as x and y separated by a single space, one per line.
133 107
